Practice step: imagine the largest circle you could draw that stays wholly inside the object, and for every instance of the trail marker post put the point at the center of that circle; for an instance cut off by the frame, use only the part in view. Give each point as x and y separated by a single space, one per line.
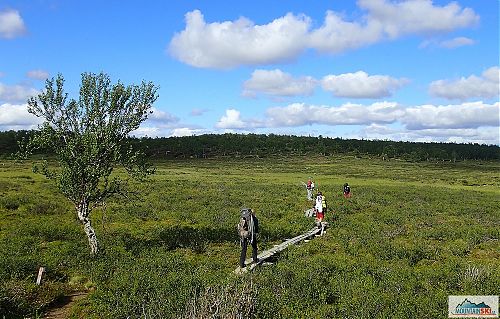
40 273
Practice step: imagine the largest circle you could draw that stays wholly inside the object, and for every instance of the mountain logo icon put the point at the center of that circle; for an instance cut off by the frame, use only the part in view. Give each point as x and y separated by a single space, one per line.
468 308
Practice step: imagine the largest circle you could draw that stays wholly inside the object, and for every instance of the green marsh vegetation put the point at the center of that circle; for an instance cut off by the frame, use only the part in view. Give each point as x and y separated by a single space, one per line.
412 234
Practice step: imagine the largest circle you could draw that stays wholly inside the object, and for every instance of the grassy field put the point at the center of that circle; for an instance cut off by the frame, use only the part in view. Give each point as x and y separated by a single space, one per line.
412 234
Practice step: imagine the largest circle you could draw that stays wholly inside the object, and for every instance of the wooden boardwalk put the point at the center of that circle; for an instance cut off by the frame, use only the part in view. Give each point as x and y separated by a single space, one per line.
278 248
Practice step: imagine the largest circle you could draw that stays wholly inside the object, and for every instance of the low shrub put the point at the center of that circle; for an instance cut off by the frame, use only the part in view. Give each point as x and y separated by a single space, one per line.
21 298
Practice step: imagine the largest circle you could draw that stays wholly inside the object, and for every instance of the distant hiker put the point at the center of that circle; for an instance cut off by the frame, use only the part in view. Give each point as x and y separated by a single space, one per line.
347 191
318 207
310 189
248 229
320 211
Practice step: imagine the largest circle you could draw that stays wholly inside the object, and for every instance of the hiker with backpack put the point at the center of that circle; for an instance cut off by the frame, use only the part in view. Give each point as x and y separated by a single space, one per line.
310 189
347 191
248 228
320 208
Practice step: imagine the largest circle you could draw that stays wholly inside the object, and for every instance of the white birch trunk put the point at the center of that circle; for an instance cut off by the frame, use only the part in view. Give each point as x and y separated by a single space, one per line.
83 215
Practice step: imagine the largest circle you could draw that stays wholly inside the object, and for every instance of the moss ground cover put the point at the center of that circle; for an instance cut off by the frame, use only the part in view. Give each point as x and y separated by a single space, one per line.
412 234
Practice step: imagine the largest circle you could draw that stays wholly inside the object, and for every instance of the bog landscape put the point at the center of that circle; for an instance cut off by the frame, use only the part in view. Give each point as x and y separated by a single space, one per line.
147 146
413 233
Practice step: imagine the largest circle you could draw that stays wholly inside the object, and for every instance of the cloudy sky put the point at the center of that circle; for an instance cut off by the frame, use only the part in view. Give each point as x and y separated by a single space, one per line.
411 70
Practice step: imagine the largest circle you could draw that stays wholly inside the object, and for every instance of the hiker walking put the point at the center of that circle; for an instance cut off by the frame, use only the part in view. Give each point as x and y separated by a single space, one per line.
320 208
347 191
310 189
248 228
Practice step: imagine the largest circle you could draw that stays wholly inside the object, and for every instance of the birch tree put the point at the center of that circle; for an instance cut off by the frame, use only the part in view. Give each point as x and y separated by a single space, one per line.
88 137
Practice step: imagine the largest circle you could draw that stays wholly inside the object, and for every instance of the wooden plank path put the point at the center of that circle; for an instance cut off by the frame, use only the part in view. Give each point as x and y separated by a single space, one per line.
278 248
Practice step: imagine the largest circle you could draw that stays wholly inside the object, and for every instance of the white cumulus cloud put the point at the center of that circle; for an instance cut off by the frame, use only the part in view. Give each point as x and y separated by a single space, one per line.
278 83
187 131
389 20
461 116
338 35
159 123
16 93
144 131
484 86
232 43
476 122
361 85
16 116
11 24
482 135
159 131
299 114
417 16
231 119
229 44
162 117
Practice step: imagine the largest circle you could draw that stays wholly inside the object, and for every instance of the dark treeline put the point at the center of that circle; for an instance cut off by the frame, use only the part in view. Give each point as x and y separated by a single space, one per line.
9 141
261 145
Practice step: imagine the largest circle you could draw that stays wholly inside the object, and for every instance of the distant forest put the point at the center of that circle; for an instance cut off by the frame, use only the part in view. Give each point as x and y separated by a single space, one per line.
262 145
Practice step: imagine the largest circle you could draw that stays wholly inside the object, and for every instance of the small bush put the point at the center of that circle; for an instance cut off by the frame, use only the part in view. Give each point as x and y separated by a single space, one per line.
21 298
10 202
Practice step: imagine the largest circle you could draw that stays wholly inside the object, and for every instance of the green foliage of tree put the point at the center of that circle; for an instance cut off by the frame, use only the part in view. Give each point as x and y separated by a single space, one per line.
89 138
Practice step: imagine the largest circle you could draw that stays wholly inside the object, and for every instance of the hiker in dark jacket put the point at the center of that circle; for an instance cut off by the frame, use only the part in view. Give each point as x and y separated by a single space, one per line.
347 191
248 233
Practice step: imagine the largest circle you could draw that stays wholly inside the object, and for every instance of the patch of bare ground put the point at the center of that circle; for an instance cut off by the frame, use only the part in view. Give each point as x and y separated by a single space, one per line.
62 309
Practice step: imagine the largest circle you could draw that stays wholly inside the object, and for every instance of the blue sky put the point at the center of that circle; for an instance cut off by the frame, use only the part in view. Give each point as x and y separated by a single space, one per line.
415 70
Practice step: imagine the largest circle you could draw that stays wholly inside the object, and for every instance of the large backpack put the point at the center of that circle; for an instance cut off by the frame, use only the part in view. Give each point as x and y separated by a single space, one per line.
245 225
347 189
